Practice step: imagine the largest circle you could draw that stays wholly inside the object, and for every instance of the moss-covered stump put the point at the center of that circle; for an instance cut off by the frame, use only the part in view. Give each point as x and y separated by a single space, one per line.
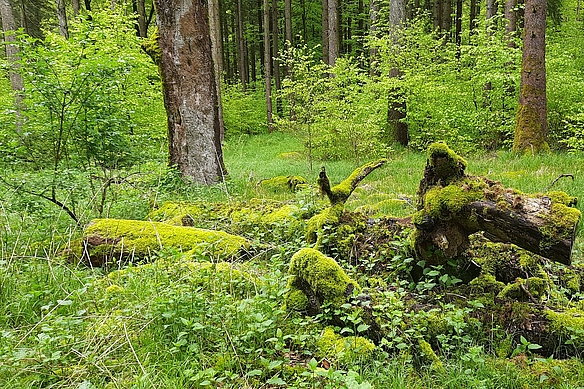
453 205
315 280
107 241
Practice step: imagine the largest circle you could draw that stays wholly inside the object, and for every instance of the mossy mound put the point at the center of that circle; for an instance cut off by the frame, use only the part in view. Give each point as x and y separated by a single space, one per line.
283 183
343 349
112 240
241 218
320 279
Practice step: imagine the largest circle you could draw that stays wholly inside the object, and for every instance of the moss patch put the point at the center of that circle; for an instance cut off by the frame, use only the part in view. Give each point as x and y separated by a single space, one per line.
283 183
344 349
113 240
321 280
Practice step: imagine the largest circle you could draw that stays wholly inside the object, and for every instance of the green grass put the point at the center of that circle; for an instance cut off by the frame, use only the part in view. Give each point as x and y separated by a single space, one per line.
169 324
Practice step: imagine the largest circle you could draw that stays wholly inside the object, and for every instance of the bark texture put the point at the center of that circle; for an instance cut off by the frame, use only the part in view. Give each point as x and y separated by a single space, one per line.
190 94
531 126
16 82
62 19
268 65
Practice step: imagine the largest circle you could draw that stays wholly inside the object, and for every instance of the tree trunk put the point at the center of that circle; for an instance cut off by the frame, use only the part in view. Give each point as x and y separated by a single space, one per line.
473 12
62 18
396 111
217 51
373 32
333 28
75 5
325 31
437 15
458 28
260 17
446 24
288 20
142 19
490 13
531 126
511 25
267 65
453 206
190 94
241 48
275 55
16 82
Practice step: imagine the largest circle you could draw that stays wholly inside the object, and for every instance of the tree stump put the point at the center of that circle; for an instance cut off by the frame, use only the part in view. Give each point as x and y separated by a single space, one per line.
453 205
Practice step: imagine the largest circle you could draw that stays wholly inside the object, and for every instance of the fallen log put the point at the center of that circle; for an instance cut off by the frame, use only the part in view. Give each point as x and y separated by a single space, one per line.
114 241
453 205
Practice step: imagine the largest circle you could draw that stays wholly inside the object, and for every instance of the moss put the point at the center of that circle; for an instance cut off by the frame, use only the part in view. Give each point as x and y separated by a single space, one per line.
428 356
567 325
283 183
113 240
444 202
341 192
486 283
177 213
450 164
536 286
344 349
318 276
329 217
152 48
560 197
529 138
560 223
296 300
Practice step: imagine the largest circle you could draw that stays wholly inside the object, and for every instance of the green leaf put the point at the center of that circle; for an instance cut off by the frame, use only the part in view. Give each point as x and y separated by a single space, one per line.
254 373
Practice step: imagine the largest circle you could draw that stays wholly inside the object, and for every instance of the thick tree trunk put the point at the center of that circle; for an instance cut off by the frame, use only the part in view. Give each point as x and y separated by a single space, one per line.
267 65
531 126
190 94
446 18
217 51
62 19
437 15
453 206
16 82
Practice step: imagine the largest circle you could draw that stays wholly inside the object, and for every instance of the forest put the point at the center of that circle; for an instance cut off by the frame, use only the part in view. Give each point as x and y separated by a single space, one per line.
291 194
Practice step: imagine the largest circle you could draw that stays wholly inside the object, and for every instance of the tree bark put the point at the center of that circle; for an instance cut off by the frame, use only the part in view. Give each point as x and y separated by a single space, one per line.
453 205
458 27
437 15
473 12
333 28
511 25
490 13
75 5
531 125
142 18
288 20
217 53
396 111
446 25
275 55
241 48
267 65
16 81
325 31
62 19
373 32
190 93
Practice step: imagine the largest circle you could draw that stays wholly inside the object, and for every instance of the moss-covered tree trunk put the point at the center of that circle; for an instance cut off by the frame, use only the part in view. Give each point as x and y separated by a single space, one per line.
531 125
453 205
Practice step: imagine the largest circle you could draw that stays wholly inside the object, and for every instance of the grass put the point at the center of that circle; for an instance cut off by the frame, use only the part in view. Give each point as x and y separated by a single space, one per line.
174 323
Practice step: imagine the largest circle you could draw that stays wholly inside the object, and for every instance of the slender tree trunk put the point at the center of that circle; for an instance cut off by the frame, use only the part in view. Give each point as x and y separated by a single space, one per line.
275 55
190 94
16 82
87 6
490 13
75 4
396 111
333 24
373 32
225 46
531 126
325 31
437 15
447 18
217 54
304 25
511 25
288 20
260 32
267 65
241 47
473 12
142 19
62 18
458 28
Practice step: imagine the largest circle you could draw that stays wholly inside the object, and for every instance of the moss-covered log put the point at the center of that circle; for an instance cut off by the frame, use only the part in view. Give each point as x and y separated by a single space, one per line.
107 241
453 205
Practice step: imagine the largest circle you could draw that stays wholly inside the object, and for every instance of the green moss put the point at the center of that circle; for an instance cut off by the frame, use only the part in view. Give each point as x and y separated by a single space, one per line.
152 48
486 283
444 202
428 356
329 217
296 300
567 325
111 239
344 349
529 138
283 183
560 197
560 224
178 213
450 164
536 286
320 276
341 192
